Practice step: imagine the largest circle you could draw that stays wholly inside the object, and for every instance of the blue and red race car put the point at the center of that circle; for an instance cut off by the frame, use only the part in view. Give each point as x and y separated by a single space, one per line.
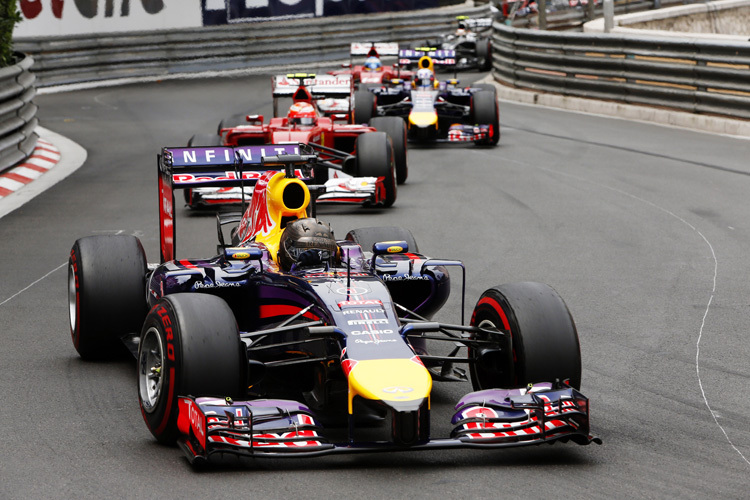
433 110
289 334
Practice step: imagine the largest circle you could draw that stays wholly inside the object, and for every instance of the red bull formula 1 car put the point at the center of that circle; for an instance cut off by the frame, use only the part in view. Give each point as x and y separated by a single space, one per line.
360 164
434 111
284 343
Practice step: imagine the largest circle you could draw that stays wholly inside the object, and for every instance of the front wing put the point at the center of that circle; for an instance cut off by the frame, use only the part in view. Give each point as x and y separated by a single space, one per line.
495 418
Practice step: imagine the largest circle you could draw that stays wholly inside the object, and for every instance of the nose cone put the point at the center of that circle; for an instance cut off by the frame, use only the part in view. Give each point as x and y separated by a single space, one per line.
403 384
423 119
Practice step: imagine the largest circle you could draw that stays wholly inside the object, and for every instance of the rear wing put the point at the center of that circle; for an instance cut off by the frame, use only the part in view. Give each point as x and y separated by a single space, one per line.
476 23
186 168
309 87
439 57
319 87
377 49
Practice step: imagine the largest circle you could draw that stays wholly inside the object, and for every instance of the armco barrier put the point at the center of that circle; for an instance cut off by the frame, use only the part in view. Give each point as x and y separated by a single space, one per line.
89 58
17 113
693 75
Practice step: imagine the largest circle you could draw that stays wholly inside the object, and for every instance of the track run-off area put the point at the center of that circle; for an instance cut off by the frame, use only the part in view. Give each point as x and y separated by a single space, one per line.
643 230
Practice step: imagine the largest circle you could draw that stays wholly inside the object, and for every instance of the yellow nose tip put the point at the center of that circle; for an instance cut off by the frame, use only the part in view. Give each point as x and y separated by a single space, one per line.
397 380
423 118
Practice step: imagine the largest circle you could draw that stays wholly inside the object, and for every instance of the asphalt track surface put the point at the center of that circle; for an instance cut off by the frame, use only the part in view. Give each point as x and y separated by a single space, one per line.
643 230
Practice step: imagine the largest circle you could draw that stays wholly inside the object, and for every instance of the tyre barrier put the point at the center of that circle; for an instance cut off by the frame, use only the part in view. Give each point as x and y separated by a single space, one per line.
18 118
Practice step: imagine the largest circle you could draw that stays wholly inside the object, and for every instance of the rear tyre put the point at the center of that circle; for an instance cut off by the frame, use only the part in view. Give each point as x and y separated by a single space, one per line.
484 54
189 345
364 106
375 159
544 336
366 237
395 127
232 121
106 293
485 111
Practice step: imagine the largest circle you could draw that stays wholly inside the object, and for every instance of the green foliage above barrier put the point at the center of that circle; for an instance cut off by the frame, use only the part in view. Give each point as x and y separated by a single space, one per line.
9 16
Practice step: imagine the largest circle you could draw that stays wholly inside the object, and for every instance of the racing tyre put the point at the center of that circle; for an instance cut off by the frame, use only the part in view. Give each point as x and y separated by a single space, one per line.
190 345
484 54
106 293
232 121
366 237
375 159
485 111
204 140
364 106
544 337
395 127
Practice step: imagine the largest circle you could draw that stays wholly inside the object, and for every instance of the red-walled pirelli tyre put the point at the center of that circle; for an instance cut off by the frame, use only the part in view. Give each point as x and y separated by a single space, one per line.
189 345
545 339
375 159
395 127
485 111
106 293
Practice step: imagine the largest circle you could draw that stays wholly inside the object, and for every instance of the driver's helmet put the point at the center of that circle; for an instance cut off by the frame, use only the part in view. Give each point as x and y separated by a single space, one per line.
372 63
424 78
461 31
306 242
302 113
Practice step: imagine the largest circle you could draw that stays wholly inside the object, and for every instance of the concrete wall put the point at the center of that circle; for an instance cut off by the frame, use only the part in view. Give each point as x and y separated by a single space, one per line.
722 20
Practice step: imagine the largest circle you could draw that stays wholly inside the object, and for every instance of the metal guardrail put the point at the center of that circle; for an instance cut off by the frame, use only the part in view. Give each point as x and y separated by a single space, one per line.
17 113
692 75
88 58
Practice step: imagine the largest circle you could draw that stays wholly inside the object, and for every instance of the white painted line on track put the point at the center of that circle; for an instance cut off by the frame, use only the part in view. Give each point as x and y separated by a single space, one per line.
32 284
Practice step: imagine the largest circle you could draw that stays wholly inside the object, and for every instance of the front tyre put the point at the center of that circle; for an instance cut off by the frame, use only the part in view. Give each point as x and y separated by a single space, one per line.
545 344
363 107
485 111
375 159
106 293
189 345
395 127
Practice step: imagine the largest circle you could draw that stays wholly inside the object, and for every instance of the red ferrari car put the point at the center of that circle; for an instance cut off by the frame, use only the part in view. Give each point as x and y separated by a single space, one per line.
373 71
358 162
